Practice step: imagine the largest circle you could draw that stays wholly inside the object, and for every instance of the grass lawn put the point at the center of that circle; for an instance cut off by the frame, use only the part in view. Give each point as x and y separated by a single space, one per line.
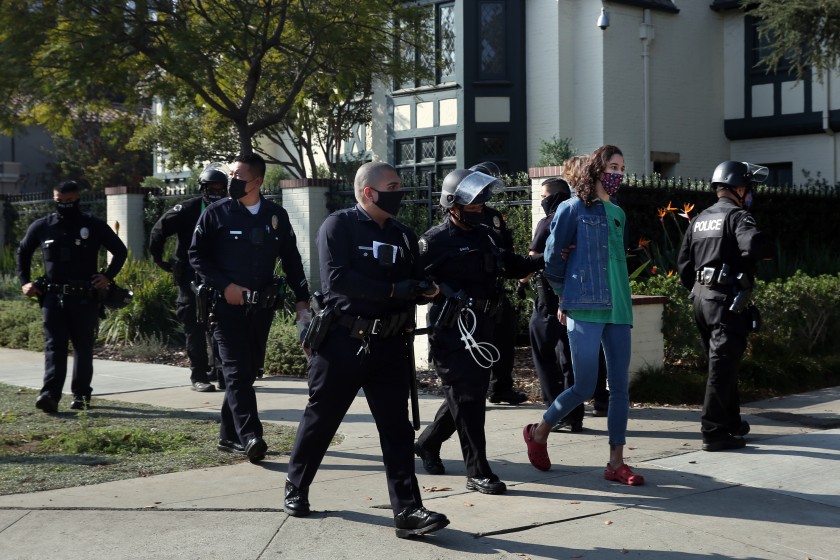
111 441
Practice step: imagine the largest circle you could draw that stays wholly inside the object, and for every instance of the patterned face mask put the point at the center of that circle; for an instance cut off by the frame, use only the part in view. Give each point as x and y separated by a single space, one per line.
611 182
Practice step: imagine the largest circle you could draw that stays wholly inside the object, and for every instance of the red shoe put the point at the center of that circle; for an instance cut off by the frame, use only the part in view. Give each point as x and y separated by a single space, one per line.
624 475
537 452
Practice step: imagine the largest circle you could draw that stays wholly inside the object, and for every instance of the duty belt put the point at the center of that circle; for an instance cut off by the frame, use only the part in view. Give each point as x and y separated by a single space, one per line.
385 327
489 306
76 290
711 278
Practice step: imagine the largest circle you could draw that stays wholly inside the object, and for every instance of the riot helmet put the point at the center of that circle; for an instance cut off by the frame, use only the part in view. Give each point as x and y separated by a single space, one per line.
213 175
738 174
488 168
465 186
730 175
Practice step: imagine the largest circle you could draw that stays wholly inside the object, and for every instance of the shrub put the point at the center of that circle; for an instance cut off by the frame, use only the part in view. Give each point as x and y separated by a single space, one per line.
798 313
555 151
283 353
152 311
21 325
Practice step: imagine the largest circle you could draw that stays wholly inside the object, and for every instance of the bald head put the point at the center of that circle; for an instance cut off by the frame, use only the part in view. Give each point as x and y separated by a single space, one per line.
368 175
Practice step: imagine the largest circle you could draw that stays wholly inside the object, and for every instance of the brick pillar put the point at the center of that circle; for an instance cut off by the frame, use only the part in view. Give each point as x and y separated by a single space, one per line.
306 202
538 175
124 211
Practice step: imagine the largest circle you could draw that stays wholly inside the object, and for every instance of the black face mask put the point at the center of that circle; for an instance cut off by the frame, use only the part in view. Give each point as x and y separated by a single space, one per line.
211 197
236 188
472 219
389 201
68 210
551 202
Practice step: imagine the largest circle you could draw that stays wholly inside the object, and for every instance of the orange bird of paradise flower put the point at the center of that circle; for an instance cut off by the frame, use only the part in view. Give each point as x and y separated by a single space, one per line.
670 208
661 212
644 242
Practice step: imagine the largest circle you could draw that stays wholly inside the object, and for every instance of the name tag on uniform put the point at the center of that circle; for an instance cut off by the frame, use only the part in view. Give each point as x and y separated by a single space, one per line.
236 232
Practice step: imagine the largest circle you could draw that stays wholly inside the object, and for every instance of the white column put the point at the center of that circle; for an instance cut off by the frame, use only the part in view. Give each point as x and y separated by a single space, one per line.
124 210
306 202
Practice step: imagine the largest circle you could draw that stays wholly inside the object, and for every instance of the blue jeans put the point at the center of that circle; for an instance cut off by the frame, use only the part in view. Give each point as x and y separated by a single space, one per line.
585 340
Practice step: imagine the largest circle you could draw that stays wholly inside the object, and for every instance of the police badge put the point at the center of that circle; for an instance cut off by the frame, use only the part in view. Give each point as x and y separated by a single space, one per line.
177 208
423 245
275 222
84 233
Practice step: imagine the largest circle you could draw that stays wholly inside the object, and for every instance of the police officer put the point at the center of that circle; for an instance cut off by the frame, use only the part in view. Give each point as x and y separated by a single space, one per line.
234 250
504 335
180 221
717 263
467 259
70 291
549 339
370 280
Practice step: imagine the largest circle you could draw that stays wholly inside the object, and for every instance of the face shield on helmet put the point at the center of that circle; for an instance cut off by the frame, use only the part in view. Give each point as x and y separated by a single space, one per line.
464 187
757 173
488 168
734 174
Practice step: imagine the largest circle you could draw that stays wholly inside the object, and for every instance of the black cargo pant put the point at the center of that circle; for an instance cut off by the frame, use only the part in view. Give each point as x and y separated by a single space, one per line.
464 384
195 334
504 339
241 334
76 321
337 371
724 337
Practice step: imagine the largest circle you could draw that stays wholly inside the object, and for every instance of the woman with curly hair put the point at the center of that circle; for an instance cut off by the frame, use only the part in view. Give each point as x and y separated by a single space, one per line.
586 267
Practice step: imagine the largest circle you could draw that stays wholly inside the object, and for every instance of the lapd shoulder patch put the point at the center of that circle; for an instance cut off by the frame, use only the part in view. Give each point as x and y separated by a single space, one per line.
497 223
84 233
275 222
423 245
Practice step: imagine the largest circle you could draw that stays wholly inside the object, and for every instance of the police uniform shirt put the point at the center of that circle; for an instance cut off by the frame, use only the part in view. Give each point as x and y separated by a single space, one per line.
231 245
357 273
179 220
724 233
70 248
471 259
495 221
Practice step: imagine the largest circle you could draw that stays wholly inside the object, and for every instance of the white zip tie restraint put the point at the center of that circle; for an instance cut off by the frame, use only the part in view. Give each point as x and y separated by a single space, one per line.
482 352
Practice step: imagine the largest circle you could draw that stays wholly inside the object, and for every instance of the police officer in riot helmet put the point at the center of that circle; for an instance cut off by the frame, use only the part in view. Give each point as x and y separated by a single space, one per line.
717 263
235 250
468 260
180 221
504 335
70 291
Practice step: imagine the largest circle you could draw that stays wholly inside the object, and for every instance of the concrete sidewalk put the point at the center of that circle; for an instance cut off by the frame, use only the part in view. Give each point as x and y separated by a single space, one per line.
777 499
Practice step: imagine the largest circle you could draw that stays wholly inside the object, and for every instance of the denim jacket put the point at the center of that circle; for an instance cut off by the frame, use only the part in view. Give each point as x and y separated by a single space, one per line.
582 277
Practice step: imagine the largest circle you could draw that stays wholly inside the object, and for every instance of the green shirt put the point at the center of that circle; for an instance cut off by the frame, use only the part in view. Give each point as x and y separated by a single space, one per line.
621 312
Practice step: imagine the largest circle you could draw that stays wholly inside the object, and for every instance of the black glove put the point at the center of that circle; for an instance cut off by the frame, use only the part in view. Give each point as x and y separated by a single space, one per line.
426 288
407 289
520 290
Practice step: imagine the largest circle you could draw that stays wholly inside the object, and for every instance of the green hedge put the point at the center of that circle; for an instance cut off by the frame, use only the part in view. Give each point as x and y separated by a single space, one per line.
21 324
794 350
